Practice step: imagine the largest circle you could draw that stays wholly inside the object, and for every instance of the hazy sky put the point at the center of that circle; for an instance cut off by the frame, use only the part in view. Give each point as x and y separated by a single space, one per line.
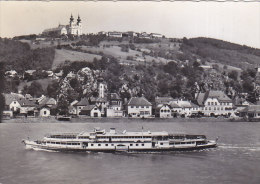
230 21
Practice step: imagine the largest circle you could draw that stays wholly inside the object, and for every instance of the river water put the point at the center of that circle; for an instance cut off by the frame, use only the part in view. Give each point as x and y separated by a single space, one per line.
236 160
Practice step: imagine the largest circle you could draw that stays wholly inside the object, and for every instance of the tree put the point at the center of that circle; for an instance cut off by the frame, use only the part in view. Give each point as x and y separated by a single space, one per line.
53 89
171 68
35 89
233 75
63 106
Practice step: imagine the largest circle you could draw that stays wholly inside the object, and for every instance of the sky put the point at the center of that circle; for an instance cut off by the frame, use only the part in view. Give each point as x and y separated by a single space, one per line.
237 22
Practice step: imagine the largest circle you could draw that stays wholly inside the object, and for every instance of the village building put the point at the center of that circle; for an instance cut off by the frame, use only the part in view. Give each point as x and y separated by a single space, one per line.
251 111
156 35
101 103
144 35
241 103
12 102
81 104
176 109
215 103
115 34
131 34
11 73
28 107
184 108
102 33
72 110
139 107
7 114
114 108
73 28
45 112
163 111
90 110
49 102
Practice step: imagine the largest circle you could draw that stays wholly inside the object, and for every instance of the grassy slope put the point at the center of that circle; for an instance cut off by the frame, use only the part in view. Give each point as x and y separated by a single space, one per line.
116 52
62 55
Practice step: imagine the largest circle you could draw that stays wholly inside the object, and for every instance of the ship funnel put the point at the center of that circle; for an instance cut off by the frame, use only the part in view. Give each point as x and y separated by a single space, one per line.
112 130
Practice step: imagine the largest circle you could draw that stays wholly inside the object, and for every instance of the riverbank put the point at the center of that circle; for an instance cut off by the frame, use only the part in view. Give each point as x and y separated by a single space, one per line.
116 120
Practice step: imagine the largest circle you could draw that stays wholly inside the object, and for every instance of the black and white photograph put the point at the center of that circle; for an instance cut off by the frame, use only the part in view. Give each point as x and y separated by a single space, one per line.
130 92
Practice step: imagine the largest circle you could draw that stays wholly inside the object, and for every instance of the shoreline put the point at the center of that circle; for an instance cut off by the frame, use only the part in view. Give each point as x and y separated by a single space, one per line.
117 120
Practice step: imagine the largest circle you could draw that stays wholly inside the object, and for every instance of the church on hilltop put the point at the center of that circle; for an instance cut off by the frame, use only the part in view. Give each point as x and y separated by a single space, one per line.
74 28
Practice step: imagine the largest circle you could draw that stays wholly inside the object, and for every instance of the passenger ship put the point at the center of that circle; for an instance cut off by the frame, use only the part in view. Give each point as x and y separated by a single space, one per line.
101 141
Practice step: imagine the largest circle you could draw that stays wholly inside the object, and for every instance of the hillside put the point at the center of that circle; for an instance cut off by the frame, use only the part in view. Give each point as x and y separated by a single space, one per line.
62 55
19 56
218 51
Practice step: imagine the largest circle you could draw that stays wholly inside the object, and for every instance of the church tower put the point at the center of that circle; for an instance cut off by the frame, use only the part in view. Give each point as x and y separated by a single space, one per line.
79 30
75 28
71 20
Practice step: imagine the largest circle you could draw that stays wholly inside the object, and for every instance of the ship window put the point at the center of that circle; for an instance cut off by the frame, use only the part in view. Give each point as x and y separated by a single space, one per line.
48 141
57 142
99 144
161 143
106 144
92 144
142 144
136 144
112 144
131 144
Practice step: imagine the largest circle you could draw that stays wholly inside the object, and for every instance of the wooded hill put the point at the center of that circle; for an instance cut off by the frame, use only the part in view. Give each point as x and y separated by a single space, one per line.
20 57
223 52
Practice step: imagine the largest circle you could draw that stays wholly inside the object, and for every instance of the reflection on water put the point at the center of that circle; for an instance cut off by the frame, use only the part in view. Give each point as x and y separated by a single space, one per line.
236 160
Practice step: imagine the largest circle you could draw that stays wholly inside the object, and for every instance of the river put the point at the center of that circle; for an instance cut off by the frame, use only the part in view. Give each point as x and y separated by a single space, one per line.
236 160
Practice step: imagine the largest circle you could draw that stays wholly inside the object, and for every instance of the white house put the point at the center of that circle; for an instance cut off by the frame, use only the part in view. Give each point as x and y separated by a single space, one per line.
163 111
45 112
184 107
114 108
91 110
11 102
139 107
215 103
11 73
156 35
113 113
115 34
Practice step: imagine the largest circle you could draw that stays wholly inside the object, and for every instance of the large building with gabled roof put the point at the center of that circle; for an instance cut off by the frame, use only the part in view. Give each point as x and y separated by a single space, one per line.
73 28
214 103
139 107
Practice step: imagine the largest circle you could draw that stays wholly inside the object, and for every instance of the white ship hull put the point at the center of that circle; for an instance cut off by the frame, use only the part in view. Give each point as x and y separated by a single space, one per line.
143 144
